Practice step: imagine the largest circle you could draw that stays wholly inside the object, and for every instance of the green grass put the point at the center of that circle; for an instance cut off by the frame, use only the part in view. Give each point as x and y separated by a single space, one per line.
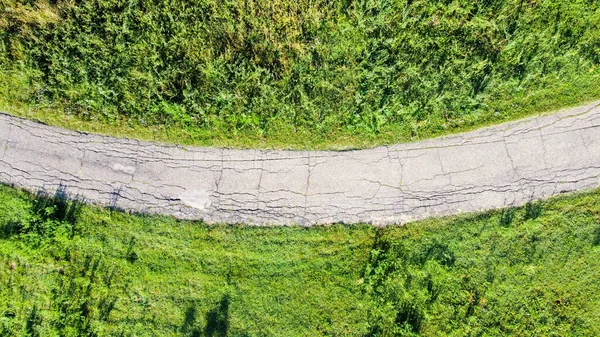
73 270
295 74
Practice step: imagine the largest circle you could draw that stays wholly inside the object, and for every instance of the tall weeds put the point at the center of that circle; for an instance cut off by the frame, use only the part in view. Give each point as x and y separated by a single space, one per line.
272 67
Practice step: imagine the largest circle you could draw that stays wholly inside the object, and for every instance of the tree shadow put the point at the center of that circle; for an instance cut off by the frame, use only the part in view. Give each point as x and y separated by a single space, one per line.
11 228
217 320
189 328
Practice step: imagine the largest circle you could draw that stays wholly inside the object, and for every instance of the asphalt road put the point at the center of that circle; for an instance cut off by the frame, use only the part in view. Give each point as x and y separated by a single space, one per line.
504 165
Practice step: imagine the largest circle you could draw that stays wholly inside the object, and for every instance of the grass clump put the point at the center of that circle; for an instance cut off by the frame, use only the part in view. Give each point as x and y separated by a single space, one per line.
301 74
109 273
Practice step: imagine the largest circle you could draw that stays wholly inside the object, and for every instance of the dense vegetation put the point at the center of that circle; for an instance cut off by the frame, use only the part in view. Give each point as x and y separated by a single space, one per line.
294 73
73 270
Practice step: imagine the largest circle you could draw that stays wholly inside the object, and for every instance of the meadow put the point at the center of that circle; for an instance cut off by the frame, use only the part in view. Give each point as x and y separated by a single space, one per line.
68 269
294 74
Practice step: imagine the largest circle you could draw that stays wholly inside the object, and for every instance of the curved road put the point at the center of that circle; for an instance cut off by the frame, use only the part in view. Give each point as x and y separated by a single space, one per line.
503 165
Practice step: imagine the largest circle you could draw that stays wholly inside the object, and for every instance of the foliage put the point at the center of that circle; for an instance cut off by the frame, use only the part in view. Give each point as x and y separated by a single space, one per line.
527 271
297 73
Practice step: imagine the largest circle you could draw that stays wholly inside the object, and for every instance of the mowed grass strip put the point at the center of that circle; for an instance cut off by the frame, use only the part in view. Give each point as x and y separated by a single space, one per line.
75 270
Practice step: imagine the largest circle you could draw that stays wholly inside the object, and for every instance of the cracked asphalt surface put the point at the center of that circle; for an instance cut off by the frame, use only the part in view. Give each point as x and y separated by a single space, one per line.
503 165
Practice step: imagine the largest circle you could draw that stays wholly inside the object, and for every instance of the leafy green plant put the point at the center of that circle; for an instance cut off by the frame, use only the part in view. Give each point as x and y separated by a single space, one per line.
533 210
506 217
130 254
33 320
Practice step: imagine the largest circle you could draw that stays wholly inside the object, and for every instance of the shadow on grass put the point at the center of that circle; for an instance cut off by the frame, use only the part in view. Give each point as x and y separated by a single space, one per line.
217 320
57 207
47 211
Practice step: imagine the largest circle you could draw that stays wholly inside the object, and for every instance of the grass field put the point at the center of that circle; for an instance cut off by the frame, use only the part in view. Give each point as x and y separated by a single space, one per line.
294 74
72 270
310 74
